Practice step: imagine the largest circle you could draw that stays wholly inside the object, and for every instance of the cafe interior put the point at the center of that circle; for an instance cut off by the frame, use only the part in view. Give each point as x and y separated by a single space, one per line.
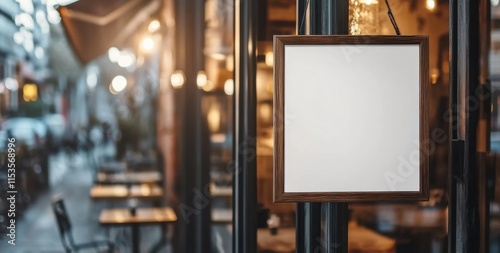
147 126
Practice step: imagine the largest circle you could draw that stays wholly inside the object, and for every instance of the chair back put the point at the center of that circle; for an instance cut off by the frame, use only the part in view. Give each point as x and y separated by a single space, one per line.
63 223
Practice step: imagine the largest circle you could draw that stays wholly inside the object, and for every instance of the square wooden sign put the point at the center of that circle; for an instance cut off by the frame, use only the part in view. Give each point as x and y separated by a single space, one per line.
350 118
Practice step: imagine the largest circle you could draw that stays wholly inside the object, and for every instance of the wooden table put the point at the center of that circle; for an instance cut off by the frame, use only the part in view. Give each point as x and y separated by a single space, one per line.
128 177
143 216
118 192
360 240
283 241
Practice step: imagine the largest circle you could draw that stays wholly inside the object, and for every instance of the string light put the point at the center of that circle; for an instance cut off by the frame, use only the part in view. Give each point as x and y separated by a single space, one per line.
119 83
147 45
177 79
201 79
154 26
229 87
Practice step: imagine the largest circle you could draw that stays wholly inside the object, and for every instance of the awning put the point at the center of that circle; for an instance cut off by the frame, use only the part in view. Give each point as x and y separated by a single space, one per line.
93 26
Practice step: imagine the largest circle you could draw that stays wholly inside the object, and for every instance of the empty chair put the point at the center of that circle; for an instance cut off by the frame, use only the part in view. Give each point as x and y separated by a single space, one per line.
65 232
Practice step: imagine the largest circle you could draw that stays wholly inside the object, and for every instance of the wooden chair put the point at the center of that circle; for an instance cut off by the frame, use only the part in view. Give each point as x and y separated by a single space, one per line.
67 240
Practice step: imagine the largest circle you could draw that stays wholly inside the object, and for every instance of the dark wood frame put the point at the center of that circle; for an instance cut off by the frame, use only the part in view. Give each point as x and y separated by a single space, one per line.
279 123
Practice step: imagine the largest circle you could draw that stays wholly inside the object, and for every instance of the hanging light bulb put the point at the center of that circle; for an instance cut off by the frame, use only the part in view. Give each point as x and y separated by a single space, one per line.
177 79
201 79
126 59
113 54
229 87
147 45
209 86
430 4
119 83
154 26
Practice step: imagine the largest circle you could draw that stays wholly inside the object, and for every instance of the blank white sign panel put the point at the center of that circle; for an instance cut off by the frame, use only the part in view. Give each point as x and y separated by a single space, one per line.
351 118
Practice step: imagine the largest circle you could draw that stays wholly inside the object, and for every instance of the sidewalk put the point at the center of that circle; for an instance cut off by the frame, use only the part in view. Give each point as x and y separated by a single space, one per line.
36 230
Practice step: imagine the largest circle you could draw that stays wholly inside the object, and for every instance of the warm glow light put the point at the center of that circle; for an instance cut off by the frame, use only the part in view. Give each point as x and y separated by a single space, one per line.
113 54
266 112
209 86
230 63
218 56
363 17
434 75
229 87
201 79
126 59
269 59
30 92
145 190
154 26
430 4
177 79
147 45
213 118
119 83
369 2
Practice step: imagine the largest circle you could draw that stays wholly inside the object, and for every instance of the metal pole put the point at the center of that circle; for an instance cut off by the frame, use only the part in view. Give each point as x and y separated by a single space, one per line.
194 207
245 104
464 233
332 17
325 17
308 215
